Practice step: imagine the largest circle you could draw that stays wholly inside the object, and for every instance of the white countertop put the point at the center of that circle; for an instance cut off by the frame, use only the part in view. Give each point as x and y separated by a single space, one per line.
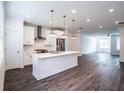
49 55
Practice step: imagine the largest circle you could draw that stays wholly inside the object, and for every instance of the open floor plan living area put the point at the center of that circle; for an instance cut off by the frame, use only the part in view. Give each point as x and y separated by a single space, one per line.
62 46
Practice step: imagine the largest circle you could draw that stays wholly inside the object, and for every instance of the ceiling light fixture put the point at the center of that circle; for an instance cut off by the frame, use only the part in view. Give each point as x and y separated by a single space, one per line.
100 27
116 22
88 20
108 34
51 33
27 16
73 11
73 36
111 10
64 35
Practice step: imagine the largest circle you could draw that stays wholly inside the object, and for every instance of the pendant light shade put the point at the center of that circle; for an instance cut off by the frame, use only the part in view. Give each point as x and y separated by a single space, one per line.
52 33
73 36
64 35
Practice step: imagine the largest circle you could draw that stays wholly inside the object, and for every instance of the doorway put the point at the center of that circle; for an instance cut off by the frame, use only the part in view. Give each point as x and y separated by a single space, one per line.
103 44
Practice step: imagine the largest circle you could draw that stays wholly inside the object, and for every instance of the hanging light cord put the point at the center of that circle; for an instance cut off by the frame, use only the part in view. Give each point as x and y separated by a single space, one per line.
52 20
73 25
64 23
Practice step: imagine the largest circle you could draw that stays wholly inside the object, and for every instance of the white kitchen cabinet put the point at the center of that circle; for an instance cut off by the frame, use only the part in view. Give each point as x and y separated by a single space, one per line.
29 35
49 41
27 59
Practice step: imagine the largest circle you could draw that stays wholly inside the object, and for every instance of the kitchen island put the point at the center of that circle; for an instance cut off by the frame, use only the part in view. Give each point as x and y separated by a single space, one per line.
48 64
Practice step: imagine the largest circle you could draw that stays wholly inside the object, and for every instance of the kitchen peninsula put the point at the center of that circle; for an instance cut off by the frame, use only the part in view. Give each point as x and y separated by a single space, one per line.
48 64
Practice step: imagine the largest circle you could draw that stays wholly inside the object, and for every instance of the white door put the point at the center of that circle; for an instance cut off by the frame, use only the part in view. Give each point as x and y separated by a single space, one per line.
12 49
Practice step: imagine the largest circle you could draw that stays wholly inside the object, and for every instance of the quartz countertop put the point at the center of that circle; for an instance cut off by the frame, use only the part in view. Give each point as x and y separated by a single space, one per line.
54 54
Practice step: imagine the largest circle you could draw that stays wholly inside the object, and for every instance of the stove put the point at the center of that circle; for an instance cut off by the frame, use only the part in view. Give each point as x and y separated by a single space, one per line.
41 51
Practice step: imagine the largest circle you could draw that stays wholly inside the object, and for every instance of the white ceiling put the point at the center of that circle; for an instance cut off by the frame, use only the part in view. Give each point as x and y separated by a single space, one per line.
97 12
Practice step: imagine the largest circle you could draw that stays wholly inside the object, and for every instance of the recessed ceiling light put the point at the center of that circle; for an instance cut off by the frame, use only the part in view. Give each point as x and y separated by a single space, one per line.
111 10
27 16
116 22
88 20
73 11
100 27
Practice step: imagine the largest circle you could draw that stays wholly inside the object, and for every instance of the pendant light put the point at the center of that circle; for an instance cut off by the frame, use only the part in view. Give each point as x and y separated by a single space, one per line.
64 35
52 33
73 36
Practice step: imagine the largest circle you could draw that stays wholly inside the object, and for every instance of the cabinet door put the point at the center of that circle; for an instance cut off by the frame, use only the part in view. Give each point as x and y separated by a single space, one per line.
28 35
27 59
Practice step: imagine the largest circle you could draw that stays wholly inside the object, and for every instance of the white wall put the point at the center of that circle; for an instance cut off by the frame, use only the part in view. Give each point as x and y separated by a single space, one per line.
88 44
2 60
114 50
121 44
74 44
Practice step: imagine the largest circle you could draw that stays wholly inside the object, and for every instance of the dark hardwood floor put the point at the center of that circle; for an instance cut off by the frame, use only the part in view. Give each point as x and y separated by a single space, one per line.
97 71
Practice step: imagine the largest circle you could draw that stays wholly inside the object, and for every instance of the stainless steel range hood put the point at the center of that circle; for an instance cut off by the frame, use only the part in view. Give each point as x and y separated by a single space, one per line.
39 33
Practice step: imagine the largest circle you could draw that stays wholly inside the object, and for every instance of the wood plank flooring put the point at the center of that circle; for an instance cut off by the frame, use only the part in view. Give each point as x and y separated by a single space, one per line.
97 71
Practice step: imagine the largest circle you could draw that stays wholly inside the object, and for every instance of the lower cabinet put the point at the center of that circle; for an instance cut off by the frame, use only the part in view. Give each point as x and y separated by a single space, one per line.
27 59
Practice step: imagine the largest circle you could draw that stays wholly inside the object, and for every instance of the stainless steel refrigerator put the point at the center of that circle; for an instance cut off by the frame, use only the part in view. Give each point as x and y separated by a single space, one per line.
60 44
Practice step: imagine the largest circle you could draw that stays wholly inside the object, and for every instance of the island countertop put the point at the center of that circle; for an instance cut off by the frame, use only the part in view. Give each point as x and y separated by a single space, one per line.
54 54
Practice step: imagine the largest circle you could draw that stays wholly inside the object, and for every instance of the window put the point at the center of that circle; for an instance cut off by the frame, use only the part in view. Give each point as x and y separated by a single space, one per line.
118 43
104 43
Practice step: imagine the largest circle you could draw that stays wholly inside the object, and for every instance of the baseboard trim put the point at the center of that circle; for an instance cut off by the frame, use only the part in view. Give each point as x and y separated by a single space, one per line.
27 65
36 76
9 67
121 61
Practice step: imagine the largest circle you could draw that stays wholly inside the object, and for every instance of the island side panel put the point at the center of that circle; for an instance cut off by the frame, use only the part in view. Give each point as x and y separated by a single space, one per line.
43 68
35 66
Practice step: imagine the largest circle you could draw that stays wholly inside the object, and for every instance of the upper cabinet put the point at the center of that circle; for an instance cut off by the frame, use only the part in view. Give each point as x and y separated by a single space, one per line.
29 33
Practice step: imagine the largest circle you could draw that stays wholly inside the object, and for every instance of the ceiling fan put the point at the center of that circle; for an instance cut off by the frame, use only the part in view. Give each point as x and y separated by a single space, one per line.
81 28
108 34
